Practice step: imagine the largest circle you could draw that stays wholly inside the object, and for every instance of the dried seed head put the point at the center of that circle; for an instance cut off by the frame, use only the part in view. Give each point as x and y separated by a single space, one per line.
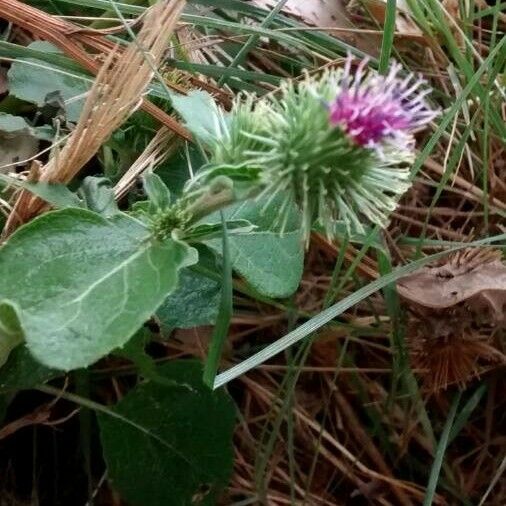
446 350
456 307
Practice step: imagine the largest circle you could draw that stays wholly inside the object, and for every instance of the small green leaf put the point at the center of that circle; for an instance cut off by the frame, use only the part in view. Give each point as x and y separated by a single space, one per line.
88 282
194 302
135 351
177 169
10 332
18 141
98 196
33 80
57 195
200 113
13 124
205 231
156 190
185 454
270 261
22 371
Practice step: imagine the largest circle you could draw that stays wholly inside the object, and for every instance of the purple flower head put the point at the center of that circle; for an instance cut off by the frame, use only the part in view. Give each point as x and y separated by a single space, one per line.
374 109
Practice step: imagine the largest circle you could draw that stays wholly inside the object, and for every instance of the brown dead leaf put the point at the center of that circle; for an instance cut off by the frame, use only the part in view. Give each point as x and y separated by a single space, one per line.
474 275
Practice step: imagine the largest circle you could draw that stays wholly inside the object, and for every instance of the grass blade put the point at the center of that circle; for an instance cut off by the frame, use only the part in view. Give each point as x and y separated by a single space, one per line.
388 36
220 331
332 312
466 412
243 52
440 452
495 479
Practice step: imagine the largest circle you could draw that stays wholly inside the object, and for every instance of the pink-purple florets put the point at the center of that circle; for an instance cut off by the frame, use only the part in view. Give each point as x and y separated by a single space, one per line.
373 109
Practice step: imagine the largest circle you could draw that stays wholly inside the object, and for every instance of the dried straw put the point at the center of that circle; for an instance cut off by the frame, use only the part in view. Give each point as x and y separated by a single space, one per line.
160 147
116 93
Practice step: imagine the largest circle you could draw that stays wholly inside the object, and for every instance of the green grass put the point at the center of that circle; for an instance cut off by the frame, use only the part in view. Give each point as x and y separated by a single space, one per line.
388 36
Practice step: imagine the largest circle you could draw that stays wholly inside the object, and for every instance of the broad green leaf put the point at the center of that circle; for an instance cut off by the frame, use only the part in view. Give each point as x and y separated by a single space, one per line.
22 371
82 284
199 112
195 302
270 261
33 80
183 455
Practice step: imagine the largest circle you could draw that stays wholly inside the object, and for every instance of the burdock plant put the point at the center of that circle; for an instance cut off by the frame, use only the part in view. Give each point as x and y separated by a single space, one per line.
338 145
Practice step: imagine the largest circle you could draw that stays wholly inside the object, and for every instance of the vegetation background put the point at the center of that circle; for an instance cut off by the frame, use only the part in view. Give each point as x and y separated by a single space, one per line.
396 398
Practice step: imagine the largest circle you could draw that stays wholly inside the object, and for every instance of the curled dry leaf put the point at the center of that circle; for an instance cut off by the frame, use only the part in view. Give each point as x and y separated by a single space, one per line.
456 307
464 276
